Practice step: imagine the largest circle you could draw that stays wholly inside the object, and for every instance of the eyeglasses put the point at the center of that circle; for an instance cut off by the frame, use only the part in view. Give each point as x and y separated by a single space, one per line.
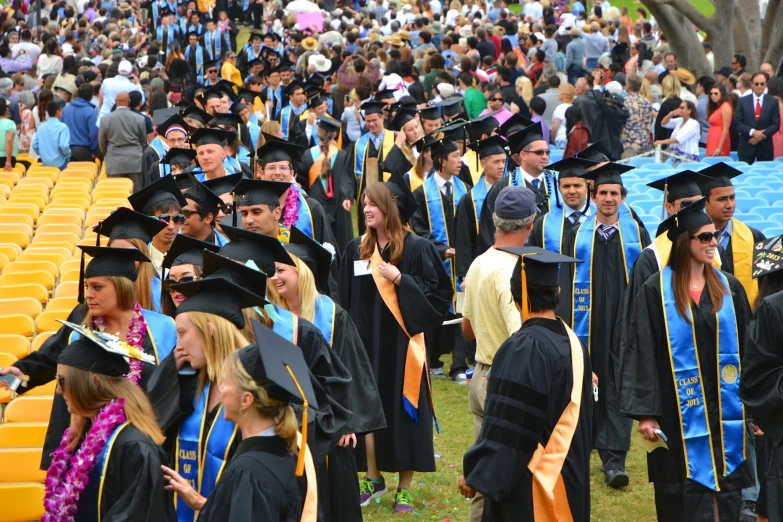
211 71
496 99
707 237
168 282
760 84
733 63
282 170
544 152
714 94
227 209
178 218
188 213
60 382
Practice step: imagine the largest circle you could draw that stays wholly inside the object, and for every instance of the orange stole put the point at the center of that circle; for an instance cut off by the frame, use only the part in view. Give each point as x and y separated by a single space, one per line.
310 505
416 359
315 170
550 502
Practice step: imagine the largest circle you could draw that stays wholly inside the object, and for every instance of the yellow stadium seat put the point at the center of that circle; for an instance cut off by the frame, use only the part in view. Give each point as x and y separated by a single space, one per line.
115 182
54 255
58 194
6 185
17 324
67 238
20 305
11 250
45 182
21 435
16 218
28 265
21 501
113 202
34 290
109 193
54 210
20 208
70 275
36 187
57 251
78 174
47 321
7 359
93 220
17 238
3 260
70 247
15 344
36 194
88 165
5 190
67 289
38 201
21 464
23 278
39 172
45 390
58 219
13 177
59 229
28 409
71 264
61 303
39 339
17 227
74 183
77 171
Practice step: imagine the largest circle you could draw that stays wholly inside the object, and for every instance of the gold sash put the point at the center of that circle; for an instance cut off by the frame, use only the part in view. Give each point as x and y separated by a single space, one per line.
315 170
550 502
742 253
416 358
471 159
310 507
662 248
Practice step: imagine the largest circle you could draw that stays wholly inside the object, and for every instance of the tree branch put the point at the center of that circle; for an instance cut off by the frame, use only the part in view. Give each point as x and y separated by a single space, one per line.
768 27
694 15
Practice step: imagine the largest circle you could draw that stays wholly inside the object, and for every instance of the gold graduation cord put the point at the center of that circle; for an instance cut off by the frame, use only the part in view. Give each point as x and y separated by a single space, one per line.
389 137
416 359
550 501
310 505
742 254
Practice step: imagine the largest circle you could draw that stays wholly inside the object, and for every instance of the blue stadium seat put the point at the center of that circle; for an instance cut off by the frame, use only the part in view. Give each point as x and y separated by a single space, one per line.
739 165
751 216
733 155
647 206
776 218
759 225
768 196
693 166
638 162
555 155
746 205
712 160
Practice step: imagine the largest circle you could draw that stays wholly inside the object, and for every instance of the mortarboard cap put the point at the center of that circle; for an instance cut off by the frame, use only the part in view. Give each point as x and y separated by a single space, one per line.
451 106
688 218
164 189
186 250
278 150
317 258
429 113
248 95
608 174
192 112
716 176
374 107
767 258
99 352
108 261
385 94
223 184
483 125
247 246
229 120
597 152
521 139
684 184
208 202
205 136
211 93
177 156
184 180
403 197
174 122
328 123
161 115
238 106
255 36
292 87
425 143
210 63
227 88
514 124
402 117
224 290
441 148
491 146
125 223
259 192
542 267
571 167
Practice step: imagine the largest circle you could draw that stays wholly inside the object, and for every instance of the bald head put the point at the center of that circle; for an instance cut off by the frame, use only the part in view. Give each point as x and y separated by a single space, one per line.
767 68
651 76
122 99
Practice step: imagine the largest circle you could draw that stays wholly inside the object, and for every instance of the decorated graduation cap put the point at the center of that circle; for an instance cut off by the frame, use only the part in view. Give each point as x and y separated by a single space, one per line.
535 266
491 146
125 223
451 106
768 257
317 258
208 202
597 152
684 184
195 113
430 113
688 218
403 197
717 176
223 290
328 123
521 139
278 362
186 250
227 119
571 167
164 189
108 261
483 125
514 124
608 174
210 137
402 117
223 184
99 352
374 107
247 246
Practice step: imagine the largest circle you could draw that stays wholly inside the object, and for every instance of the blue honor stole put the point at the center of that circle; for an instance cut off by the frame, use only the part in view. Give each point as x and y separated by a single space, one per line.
436 214
325 313
232 166
170 39
90 499
554 222
254 129
183 25
517 179
285 118
276 96
202 471
477 195
220 239
284 323
202 176
208 39
155 283
157 146
199 61
329 104
582 289
687 375
304 219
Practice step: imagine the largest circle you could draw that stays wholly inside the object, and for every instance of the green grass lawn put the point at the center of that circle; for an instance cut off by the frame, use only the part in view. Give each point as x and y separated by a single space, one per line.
437 497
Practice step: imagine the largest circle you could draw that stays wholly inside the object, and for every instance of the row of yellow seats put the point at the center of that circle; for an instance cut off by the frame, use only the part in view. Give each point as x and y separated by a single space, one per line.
7 359
19 345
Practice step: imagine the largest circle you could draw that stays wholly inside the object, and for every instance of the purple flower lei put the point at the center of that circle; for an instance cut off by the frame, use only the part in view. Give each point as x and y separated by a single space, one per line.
291 212
64 484
136 331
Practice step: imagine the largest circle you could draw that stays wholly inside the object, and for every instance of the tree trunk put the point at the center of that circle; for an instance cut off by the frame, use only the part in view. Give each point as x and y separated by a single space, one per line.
775 52
768 28
747 32
681 37
722 35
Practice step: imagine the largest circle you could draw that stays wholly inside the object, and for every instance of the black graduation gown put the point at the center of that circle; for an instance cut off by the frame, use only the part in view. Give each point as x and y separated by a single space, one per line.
338 218
41 367
424 295
298 134
647 389
352 187
527 390
727 256
258 484
149 161
762 365
396 160
612 432
322 231
133 484
536 237
467 235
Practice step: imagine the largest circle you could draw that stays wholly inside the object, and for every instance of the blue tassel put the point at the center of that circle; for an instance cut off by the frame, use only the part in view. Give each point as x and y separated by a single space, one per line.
437 426
410 409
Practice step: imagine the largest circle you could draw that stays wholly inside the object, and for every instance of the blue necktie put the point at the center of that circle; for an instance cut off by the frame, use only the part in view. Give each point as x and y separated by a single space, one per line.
606 231
536 184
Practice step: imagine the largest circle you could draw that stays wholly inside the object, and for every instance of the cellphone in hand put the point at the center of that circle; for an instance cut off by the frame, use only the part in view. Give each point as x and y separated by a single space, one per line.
12 380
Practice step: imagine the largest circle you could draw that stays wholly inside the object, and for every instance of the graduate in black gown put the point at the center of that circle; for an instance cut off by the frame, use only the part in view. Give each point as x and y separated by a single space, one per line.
680 376
402 156
270 476
415 284
39 367
592 294
762 365
539 395
322 173
122 469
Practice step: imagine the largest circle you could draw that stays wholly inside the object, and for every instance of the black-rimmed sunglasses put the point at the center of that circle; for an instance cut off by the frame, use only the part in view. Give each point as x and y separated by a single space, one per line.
178 218
168 282
707 237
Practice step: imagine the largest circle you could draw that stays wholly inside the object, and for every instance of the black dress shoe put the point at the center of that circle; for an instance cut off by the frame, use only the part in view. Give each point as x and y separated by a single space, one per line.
616 479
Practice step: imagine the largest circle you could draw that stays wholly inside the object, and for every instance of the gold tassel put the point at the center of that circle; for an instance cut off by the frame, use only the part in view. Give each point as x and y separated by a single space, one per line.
300 461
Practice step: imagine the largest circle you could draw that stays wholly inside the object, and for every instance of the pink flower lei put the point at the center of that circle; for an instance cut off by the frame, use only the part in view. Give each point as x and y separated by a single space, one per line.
136 331
291 211
65 484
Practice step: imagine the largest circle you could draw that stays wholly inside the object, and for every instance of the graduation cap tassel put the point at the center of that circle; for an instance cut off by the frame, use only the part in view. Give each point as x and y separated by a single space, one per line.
97 240
525 303
300 460
234 213
81 279
665 195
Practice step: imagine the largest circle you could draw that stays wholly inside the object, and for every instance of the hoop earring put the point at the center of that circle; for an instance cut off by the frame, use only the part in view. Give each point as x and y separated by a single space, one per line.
243 413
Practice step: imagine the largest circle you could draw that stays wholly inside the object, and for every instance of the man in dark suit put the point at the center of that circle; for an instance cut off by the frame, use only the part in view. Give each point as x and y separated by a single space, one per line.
757 119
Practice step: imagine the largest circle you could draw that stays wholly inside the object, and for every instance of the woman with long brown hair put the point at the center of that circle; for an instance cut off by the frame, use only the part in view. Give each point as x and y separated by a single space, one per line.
680 376
396 289
720 117
404 155
112 446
